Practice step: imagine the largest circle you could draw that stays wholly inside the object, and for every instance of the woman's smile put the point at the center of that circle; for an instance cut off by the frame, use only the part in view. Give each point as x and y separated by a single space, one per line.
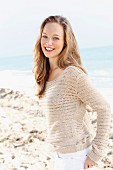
48 49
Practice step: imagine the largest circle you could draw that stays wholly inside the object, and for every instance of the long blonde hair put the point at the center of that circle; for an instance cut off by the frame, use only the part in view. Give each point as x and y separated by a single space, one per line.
69 55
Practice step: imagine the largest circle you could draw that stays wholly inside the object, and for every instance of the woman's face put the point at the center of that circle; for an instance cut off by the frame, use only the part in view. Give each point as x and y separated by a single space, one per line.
52 40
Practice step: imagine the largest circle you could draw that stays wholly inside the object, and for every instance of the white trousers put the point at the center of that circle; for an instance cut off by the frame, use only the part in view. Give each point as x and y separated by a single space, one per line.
71 161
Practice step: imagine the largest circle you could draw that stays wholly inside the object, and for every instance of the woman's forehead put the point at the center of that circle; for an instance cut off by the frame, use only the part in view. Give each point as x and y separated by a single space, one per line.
53 28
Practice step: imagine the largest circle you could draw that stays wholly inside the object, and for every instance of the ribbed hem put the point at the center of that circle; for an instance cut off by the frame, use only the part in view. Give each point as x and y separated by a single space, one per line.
94 156
71 149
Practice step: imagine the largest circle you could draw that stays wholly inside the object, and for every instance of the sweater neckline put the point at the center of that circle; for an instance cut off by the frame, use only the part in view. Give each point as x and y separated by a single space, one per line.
54 80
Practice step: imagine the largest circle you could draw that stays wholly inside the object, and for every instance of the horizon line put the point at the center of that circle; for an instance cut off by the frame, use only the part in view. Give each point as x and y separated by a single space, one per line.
82 48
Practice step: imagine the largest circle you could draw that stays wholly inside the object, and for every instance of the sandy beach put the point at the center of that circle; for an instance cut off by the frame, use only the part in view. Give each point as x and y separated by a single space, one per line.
23 131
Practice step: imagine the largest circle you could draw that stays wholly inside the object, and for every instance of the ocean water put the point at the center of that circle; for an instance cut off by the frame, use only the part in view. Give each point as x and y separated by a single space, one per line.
99 65
97 61
16 72
22 63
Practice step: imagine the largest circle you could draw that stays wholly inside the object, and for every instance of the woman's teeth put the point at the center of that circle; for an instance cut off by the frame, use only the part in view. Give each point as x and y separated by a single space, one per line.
49 49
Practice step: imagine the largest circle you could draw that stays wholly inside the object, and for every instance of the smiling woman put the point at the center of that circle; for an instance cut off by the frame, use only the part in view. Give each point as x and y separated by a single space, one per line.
64 91
56 43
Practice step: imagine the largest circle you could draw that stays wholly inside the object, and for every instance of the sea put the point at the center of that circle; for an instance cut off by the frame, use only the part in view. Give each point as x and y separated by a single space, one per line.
16 72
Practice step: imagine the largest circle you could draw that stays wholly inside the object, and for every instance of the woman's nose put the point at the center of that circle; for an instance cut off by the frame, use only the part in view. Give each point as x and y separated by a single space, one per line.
49 41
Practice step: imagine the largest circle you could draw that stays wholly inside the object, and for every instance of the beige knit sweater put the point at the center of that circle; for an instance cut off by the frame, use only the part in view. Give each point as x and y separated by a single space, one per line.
68 125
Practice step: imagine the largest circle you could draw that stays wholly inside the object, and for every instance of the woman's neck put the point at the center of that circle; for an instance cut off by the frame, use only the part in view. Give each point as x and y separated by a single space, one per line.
53 65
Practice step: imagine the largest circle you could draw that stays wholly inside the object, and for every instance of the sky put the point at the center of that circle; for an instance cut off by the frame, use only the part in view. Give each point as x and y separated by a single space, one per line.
20 20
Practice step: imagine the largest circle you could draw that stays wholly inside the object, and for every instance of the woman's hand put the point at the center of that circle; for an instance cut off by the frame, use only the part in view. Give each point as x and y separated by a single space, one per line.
89 163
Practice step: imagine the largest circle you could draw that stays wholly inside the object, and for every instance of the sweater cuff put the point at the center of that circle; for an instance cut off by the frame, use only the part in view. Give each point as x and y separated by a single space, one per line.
94 157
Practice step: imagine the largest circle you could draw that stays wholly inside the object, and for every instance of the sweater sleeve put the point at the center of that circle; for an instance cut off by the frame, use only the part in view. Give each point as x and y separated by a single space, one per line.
89 95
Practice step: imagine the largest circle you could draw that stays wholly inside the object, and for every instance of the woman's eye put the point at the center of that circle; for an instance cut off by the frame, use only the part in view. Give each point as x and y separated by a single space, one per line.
44 36
56 38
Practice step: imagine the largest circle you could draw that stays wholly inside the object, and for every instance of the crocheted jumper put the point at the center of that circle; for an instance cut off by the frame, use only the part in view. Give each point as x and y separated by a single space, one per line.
69 127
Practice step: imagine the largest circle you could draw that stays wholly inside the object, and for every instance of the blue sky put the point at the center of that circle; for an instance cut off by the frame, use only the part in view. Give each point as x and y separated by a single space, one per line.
92 22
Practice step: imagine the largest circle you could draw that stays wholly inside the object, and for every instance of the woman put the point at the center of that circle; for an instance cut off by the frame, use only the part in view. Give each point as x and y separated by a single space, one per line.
64 91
